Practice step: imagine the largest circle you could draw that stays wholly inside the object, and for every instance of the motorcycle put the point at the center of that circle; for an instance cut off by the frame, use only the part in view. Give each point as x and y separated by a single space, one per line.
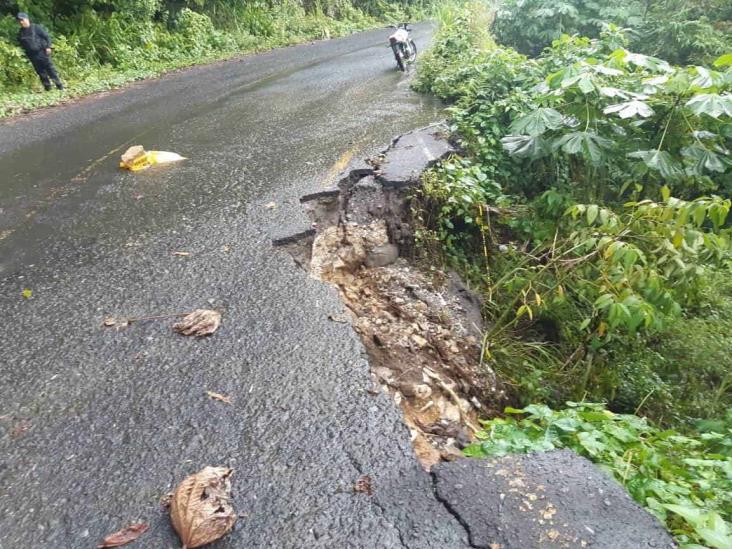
404 48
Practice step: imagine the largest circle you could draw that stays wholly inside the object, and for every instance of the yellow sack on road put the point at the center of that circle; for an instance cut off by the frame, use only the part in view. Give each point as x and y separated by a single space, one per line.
137 158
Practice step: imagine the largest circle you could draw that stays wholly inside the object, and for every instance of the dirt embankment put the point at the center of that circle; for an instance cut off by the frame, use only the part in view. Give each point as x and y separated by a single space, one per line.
421 330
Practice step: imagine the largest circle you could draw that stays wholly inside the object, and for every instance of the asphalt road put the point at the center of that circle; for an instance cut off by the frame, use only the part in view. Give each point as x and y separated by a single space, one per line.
97 424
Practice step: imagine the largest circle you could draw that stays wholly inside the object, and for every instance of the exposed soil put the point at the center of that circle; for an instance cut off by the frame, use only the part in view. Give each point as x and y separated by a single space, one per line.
421 330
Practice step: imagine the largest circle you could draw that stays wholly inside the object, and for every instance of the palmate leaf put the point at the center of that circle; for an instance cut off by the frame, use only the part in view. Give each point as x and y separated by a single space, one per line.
629 109
537 122
706 78
566 74
702 158
646 62
660 161
711 104
656 80
588 144
525 146
607 71
614 92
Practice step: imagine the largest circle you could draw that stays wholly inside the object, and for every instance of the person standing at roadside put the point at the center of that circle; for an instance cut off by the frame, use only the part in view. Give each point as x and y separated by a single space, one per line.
36 43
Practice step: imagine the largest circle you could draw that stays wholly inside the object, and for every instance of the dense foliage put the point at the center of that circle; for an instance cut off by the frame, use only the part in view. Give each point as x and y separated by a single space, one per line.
592 204
590 207
686 482
680 31
102 43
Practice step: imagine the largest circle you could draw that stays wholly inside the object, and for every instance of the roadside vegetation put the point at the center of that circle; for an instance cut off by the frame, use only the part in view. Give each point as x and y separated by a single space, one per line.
102 44
590 209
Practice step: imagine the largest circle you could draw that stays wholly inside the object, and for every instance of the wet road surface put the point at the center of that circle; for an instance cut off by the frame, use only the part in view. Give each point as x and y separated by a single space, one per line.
97 424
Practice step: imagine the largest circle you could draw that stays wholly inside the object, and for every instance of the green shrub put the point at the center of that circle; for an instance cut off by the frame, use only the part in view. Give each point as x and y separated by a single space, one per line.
680 31
591 208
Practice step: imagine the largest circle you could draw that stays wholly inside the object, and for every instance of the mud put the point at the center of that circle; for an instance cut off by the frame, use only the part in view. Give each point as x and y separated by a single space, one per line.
421 330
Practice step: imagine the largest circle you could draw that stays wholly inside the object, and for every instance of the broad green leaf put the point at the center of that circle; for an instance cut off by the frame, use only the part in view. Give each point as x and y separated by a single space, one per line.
614 92
511 410
711 104
537 122
592 442
630 109
588 144
705 78
647 62
703 159
693 515
678 82
539 411
586 85
592 212
567 74
715 539
660 161
604 301
665 193
703 134
724 61
525 146
656 80
566 424
607 71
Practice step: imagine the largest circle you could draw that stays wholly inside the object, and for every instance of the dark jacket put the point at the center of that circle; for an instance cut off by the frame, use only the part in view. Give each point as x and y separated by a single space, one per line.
34 40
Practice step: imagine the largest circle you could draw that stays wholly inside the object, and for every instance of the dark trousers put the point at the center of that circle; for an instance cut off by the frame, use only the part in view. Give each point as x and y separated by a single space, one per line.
44 67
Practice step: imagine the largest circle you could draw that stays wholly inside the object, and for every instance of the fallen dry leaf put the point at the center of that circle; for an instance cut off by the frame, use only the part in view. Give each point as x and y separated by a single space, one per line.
218 396
114 322
270 205
201 509
201 322
124 536
364 485
182 254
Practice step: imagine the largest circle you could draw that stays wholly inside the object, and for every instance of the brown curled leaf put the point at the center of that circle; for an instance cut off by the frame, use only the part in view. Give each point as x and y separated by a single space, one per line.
199 323
218 396
124 536
201 510
364 485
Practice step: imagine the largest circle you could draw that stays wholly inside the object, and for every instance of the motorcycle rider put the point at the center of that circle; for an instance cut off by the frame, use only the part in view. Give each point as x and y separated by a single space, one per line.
36 43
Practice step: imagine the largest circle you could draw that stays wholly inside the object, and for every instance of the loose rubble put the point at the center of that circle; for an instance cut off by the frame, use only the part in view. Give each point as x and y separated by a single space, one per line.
421 330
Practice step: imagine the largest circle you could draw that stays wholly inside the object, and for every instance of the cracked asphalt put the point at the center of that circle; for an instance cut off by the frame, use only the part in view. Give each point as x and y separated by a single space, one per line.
97 424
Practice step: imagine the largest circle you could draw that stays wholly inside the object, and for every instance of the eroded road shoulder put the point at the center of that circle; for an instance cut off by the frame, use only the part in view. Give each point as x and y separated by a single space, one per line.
422 332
